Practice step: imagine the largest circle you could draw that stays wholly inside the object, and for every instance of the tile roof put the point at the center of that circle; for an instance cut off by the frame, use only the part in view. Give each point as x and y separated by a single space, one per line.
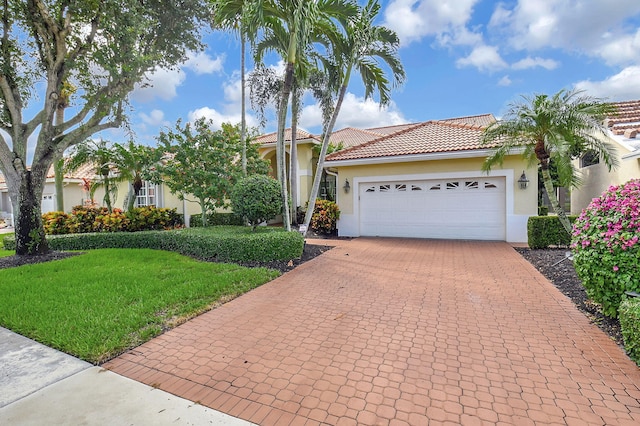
460 134
626 121
350 136
87 171
272 137
388 130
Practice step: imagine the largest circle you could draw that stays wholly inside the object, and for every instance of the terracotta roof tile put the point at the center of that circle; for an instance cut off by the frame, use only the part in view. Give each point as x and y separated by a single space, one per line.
272 137
350 136
422 138
84 172
388 130
627 118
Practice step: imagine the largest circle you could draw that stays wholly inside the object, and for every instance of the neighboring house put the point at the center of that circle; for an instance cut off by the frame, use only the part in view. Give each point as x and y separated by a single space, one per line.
424 180
624 129
73 187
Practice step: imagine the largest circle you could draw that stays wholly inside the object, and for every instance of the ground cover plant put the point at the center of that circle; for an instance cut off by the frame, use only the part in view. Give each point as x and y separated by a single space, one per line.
98 304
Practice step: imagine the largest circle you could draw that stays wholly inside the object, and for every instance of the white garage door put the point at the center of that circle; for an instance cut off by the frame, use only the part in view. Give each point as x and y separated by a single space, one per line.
466 208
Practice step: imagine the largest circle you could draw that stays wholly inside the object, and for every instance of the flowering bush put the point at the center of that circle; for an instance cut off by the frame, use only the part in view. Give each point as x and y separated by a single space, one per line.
605 245
325 217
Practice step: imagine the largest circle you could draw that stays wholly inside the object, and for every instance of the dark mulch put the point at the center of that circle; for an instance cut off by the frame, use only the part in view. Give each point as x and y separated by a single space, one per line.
552 263
13 261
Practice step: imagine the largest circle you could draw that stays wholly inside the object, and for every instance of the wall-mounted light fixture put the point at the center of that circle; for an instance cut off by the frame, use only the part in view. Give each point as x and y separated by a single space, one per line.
346 186
523 181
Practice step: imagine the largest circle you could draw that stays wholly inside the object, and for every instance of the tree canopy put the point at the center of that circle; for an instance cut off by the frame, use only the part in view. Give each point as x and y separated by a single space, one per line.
556 128
102 48
205 163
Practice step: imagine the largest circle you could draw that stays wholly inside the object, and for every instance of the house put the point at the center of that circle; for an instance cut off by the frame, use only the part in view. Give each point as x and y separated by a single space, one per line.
425 180
76 193
74 190
624 130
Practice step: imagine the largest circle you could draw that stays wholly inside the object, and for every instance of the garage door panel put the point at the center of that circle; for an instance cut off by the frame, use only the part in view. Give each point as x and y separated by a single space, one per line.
447 208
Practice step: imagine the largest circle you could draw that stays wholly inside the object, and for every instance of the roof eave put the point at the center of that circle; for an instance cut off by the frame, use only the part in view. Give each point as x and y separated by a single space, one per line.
448 155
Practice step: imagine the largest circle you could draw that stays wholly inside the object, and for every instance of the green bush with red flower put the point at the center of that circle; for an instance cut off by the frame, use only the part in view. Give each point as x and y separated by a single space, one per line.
325 217
98 219
606 247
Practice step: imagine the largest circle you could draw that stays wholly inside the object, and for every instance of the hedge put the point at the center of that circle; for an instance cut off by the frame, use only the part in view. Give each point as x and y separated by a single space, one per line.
227 244
216 219
545 231
629 315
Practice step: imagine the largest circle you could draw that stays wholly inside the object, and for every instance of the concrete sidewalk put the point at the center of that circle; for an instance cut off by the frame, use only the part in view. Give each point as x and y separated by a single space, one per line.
40 385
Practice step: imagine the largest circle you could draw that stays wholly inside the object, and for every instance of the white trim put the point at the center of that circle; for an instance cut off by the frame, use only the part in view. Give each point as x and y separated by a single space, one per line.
349 225
634 154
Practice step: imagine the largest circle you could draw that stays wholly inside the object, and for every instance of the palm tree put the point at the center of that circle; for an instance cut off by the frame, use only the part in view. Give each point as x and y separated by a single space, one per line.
554 128
243 17
132 162
358 50
300 22
102 156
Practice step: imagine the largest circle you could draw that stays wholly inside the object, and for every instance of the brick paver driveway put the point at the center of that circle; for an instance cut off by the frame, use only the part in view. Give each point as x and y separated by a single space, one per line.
398 331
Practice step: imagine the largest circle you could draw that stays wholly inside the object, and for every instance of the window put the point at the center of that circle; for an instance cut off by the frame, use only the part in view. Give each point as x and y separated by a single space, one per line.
147 195
473 184
401 187
453 185
435 188
589 158
385 188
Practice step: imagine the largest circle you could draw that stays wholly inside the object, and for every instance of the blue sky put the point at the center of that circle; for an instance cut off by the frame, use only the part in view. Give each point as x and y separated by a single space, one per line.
462 57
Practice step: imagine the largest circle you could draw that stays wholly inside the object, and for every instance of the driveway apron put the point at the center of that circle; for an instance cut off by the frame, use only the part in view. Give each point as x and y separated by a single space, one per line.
398 331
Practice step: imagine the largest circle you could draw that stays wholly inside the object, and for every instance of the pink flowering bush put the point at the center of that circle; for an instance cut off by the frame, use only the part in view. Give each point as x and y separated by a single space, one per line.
606 248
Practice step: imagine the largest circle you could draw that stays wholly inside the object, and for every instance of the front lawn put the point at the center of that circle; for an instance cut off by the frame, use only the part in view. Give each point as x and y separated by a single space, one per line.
98 304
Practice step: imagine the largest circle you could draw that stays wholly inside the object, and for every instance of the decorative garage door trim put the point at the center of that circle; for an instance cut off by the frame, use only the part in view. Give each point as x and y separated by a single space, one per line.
455 207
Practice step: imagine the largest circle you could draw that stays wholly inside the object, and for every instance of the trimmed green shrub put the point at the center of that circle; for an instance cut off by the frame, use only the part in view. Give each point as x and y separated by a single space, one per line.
629 314
216 219
605 246
546 231
226 243
257 198
543 211
325 217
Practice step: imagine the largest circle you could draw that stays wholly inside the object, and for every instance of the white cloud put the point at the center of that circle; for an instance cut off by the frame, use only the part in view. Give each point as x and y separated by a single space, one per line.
485 58
623 86
218 117
595 28
415 19
504 81
161 83
530 62
355 112
201 63
154 118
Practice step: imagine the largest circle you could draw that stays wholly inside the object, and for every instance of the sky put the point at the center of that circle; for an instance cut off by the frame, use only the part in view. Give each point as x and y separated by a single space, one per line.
462 57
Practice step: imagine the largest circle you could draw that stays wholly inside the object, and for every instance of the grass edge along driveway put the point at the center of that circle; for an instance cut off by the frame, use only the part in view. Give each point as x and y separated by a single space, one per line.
97 305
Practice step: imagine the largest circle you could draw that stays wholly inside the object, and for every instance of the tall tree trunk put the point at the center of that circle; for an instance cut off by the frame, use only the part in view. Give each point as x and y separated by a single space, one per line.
30 238
280 145
58 164
323 153
551 193
293 159
243 118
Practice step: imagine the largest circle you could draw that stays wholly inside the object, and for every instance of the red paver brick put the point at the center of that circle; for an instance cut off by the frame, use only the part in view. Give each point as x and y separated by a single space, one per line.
401 331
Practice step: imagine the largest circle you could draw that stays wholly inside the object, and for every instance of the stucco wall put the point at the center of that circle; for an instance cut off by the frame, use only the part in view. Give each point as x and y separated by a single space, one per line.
597 178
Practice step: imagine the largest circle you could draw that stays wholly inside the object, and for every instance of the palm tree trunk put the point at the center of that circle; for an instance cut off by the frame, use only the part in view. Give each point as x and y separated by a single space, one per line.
293 159
551 193
323 153
280 146
243 119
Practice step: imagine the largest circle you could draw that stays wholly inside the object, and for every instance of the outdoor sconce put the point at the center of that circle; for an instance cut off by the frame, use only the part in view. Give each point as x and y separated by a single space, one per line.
346 186
523 181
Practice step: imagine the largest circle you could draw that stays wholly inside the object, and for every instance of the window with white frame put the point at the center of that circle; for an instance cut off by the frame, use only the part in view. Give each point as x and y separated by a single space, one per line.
147 195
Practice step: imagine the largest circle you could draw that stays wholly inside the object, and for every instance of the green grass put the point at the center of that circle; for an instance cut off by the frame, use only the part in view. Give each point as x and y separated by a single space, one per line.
98 304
